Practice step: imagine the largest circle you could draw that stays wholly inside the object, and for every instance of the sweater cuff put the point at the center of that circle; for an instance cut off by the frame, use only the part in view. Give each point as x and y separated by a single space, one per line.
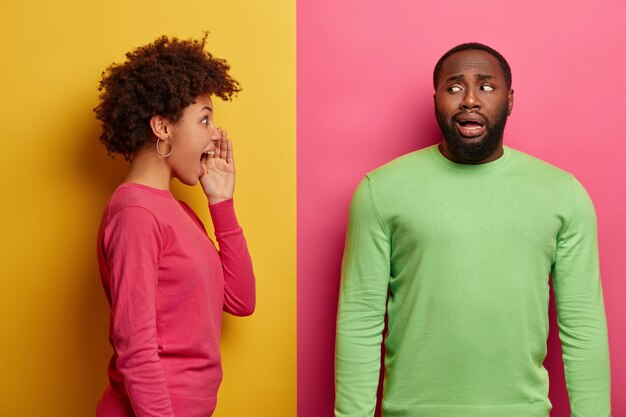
223 216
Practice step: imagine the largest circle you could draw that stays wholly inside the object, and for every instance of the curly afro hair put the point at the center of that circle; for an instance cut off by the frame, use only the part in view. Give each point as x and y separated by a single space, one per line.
161 78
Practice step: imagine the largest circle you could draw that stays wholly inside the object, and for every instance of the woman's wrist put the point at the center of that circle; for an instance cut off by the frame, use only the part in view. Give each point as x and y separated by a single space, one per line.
218 199
223 216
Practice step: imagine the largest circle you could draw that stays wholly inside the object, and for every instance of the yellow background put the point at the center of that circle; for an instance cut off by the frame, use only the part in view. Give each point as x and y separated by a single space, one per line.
57 178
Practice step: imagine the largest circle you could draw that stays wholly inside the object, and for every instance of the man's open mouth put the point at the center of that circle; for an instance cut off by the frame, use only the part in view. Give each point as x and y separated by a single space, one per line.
470 126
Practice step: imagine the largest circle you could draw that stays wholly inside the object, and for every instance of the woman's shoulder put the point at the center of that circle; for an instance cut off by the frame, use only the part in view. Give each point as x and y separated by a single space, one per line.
128 195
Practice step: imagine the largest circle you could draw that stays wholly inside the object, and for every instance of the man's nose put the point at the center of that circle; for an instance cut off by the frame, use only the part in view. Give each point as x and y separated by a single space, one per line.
470 100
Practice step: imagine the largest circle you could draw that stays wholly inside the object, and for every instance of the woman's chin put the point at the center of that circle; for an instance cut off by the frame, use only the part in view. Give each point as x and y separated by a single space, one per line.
190 181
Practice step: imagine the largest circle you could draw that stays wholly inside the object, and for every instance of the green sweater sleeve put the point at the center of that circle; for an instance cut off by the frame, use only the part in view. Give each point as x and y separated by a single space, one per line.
362 306
580 311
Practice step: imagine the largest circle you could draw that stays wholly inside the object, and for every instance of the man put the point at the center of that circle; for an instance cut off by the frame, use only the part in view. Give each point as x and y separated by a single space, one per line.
456 243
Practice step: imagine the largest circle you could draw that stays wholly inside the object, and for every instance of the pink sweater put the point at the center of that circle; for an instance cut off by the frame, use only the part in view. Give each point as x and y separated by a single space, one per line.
167 285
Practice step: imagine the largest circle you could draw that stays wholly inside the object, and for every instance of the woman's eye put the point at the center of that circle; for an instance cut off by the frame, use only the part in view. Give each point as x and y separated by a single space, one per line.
454 89
205 120
487 88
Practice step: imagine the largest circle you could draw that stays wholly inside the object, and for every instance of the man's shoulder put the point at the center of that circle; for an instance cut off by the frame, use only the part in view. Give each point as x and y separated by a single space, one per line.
561 186
538 167
411 163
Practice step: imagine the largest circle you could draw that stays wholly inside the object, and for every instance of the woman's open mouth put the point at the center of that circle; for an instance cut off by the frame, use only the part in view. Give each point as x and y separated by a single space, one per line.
205 156
204 160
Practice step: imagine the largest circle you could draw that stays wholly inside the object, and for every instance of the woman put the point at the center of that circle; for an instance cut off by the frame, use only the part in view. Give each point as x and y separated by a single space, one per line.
165 281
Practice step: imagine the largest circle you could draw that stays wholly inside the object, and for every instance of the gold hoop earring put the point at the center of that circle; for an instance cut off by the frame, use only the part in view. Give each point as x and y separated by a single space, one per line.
159 151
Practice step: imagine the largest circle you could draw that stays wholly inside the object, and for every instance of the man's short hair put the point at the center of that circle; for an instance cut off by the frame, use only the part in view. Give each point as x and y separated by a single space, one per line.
506 69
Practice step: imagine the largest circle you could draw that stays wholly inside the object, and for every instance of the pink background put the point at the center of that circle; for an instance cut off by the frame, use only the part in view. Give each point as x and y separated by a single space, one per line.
365 97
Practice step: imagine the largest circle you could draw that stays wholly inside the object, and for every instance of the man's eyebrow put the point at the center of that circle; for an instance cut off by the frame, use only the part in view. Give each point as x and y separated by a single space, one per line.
458 77
455 77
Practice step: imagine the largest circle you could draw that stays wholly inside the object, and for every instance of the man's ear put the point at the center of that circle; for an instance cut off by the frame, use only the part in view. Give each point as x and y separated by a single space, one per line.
159 126
510 100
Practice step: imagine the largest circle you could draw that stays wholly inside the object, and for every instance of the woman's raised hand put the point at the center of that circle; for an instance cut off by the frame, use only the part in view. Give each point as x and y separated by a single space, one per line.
218 181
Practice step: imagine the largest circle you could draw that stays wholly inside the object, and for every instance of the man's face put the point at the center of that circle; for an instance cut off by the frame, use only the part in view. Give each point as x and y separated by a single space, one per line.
472 103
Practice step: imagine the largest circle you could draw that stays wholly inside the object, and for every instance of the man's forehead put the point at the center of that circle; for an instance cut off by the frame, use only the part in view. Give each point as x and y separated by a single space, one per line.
471 60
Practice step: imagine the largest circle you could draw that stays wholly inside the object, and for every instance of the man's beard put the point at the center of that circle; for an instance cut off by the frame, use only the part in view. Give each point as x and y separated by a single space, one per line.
476 151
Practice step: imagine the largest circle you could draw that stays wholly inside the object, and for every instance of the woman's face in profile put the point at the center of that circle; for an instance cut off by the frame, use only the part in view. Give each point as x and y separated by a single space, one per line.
193 139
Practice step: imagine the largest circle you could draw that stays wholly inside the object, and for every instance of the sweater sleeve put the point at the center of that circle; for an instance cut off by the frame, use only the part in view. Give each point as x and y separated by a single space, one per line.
132 244
239 282
580 311
362 306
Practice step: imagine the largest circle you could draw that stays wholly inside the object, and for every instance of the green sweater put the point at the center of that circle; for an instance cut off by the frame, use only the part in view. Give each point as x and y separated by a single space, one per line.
459 257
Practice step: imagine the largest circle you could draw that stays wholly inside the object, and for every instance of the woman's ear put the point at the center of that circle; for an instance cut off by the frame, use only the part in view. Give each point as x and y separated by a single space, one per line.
159 126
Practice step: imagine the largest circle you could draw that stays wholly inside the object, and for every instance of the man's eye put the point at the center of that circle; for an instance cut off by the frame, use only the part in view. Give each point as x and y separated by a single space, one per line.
454 89
487 88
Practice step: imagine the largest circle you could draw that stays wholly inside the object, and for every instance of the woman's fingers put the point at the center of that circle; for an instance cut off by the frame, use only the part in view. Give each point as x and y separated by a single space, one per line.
216 137
224 145
230 158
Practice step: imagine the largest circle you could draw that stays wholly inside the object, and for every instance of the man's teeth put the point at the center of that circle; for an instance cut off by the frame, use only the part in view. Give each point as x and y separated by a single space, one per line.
470 123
